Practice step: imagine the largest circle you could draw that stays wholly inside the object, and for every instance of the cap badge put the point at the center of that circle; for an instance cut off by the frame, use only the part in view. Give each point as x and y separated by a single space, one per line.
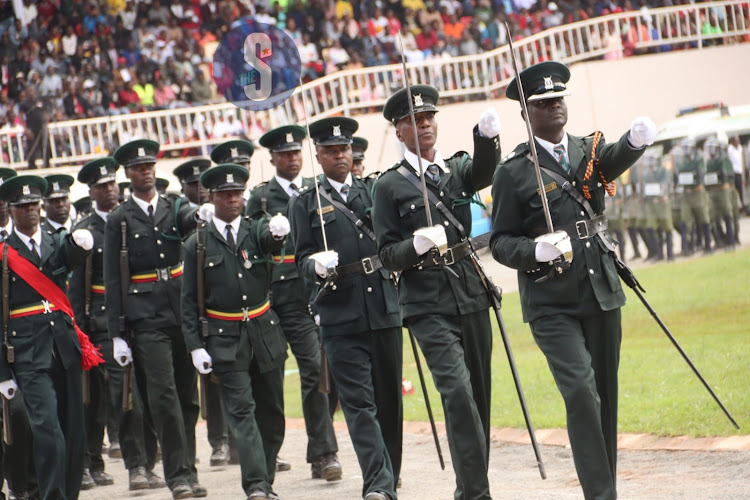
56 186
336 130
234 152
230 178
26 190
102 170
196 170
289 137
141 151
418 100
548 85
1 181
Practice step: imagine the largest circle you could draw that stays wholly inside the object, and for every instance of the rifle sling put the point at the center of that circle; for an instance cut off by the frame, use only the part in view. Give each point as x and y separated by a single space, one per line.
358 223
434 200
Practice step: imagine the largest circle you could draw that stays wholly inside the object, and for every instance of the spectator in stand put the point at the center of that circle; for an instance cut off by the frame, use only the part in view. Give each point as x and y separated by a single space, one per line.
310 59
377 23
411 50
344 7
52 84
220 128
164 96
377 58
29 11
467 46
131 54
74 103
158 14
426 40
234 126
145 90
426 16
69 41
200 89
335 57
128 98
551 16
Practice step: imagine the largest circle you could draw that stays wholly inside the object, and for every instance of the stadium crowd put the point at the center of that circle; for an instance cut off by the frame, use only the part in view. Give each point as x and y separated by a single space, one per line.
85 58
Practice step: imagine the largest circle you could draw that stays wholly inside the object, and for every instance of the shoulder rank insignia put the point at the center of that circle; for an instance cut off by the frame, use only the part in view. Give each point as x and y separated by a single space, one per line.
325 210
549 187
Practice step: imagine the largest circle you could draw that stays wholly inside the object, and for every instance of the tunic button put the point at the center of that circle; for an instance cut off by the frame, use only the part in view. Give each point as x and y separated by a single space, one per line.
158 242
360 236
333 287
412 207
598 184
161 255
273 322
446 223
441 193
210 264
419 267
591 271
463 193
156 228
582 213
52 323
99 250
588 244
221 330
103 308
14 334
137 236
244 297
239 275
135 291
574 183
369 289
281 278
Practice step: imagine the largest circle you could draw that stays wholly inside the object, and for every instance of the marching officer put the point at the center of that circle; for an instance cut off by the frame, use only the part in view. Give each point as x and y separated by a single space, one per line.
147 227
237 335
57 203
444 303
193 196
574 314
6 222
656 188
360 321
359 146
87 296
290 297
721 194
690 169
44 352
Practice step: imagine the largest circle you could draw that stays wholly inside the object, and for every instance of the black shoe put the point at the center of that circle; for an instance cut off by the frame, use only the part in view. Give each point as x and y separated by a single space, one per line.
101 478
182 491
114 450
282 465
155 481
257 495
376 495
12 495
220 455
87 482
199 490
138 479
327 467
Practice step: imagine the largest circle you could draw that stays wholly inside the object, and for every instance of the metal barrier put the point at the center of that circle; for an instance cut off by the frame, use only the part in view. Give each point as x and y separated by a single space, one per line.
186 130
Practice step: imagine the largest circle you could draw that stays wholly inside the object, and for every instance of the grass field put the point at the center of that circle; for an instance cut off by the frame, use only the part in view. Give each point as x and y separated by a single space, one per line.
705 302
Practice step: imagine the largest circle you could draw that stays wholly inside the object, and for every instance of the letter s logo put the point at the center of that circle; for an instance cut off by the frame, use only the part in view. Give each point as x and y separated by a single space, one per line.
260 87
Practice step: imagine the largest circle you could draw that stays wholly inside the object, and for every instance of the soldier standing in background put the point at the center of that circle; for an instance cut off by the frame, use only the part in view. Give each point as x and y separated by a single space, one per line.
359 146
163 371
290 297
6 222
360 322
656 188
690 170
132 429
239 339
57 204
719 179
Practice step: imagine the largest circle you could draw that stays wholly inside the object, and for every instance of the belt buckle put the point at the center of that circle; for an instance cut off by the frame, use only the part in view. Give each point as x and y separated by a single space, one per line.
47 307
587 234
367 266
245 314
448 258
163 274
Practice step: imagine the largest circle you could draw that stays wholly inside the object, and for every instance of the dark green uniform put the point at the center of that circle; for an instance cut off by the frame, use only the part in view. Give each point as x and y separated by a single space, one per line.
657 206
721 194
574 316
136 435
290 300
361 328
47 365
163 371
690 169
448 315
245 342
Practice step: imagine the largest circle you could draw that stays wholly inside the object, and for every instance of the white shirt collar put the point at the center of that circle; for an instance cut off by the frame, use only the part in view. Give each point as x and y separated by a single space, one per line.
284 183
37 237
144 204
57 226
337 185
221 226
412 159
549 146
101 214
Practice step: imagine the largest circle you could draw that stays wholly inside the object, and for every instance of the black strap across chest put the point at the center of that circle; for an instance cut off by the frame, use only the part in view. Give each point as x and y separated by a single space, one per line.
434 200
358 223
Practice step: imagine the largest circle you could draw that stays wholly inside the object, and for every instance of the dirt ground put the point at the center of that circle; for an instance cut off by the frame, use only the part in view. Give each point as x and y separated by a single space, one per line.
701 470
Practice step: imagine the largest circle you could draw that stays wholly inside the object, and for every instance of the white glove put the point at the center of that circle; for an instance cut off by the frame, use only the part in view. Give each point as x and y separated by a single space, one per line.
317 319
324 261
201 361
279 226
83 238
489 123
206 212
642 132
8 389
429 237
121 352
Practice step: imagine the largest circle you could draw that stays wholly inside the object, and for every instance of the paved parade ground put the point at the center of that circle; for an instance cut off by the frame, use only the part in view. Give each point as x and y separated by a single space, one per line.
713 469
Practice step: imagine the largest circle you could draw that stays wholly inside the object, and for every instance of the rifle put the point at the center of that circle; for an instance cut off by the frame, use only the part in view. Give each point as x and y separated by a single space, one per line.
9 353
124 331
87 272
200 285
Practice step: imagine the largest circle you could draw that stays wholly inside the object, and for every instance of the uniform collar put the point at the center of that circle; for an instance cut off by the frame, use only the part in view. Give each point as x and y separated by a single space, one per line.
37 237
412 159
284 183
57 226
337 185
101 214
550 146
221 226
144 204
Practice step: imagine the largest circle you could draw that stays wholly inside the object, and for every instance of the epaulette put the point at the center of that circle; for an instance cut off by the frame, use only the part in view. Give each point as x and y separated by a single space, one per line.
259 185
374 175
518 152
86 219
456 154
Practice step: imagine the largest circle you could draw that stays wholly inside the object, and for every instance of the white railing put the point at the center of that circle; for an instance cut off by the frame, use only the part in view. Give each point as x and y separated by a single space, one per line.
186 131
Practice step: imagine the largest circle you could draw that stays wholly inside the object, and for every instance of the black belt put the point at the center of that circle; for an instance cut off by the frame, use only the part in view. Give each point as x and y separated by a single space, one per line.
451 256
368 265
581 230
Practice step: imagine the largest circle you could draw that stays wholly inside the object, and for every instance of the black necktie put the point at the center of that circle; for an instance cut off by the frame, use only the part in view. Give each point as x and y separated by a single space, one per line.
230 237
34 248
294 188
151 211
344 192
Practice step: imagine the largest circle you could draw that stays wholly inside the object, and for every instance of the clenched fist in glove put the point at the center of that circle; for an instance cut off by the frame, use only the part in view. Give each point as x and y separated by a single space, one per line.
429 237
83 238
642 132
489 123
202 361
324 261
206 212
121 352
279 226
